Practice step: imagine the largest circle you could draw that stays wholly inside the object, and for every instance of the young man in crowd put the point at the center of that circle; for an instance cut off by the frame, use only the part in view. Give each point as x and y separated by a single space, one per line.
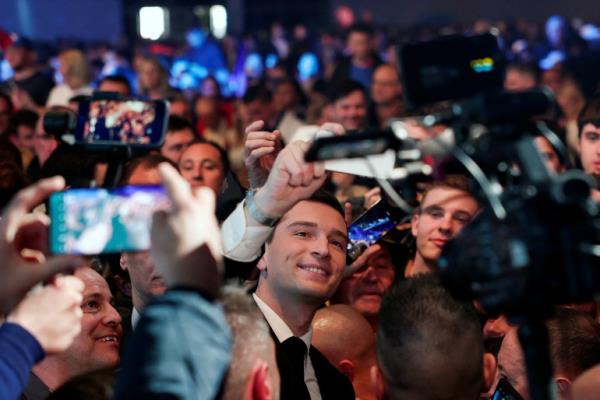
180 133
429 345
589 141
305 250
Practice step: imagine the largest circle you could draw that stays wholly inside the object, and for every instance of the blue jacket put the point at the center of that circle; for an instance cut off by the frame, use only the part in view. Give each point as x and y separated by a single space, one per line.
180 349
19 352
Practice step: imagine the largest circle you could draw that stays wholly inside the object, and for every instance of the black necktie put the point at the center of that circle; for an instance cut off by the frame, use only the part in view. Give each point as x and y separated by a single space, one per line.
295 350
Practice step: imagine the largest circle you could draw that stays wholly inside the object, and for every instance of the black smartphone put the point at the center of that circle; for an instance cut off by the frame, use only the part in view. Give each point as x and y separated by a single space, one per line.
505 391
450 68
125 122
369 227
96 221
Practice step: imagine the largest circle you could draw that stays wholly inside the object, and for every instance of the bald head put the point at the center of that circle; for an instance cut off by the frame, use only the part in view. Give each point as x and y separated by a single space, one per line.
347 340
587 385
340 332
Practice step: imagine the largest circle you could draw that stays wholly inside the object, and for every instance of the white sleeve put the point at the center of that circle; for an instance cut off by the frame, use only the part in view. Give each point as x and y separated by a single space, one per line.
242 236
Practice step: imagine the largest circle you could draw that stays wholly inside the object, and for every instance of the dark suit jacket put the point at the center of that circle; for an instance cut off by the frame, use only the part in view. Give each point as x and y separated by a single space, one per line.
332 383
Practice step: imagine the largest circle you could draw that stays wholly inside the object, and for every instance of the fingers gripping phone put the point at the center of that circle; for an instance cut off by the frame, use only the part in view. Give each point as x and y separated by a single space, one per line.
95 221
368 228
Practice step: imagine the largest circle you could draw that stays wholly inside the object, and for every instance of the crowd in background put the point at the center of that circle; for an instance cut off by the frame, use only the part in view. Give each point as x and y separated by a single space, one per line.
242 110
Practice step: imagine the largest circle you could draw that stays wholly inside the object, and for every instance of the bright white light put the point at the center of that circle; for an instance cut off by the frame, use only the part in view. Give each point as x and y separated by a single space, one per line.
152 22
218 21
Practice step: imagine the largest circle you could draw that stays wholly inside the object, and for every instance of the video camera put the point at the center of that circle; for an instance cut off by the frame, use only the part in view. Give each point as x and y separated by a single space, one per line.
536 243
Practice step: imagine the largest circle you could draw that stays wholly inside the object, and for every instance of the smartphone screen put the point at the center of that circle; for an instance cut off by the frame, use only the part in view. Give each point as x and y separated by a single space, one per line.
122 122
369 228
505 391
95 221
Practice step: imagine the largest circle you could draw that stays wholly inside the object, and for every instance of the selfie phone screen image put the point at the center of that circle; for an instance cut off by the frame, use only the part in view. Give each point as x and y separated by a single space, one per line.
369 228
95 221
122 122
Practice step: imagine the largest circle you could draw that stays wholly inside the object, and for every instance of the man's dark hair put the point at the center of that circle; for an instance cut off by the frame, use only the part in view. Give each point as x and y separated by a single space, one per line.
360 27
116 79
24 117
324 197
344 88
574 341
590 113
222 152
149 161
425 333
257 92
177 123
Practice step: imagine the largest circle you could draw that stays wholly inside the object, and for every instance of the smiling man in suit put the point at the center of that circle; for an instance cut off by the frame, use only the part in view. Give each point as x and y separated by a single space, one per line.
303 264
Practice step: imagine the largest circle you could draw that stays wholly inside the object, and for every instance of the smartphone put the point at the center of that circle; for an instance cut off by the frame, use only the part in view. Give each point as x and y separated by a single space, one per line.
369 227
96 221
450 68
126 122
505 391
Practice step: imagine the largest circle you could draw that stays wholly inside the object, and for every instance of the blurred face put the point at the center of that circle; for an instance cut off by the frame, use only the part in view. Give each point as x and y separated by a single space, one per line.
181 108
43 143
365 288
149 75
589 144
284 97
360 45
26 137
175 144
516 81
201 165
549 154
97 345
511 363
17 57
386 86
306 257
444 212
116 87
256 110
145 281
351 111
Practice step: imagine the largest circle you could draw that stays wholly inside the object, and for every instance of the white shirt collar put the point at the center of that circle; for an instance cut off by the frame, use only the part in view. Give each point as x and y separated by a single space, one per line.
280 328
135 318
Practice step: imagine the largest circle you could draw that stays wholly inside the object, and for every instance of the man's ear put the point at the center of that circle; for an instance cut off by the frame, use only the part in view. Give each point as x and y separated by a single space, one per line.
377 382
262 264
490 365
563 385
347 368
414 224
123 262
258 386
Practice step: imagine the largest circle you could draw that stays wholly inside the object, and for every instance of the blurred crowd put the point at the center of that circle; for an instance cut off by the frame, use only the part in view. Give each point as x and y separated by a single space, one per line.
297 320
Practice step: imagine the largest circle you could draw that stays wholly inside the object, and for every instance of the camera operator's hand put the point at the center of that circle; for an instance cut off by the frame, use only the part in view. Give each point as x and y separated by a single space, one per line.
291 180
52 314
260 150
24 233
186 243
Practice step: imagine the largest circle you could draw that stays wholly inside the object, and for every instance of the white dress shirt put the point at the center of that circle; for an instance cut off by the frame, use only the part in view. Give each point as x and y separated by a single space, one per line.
283 332
242 236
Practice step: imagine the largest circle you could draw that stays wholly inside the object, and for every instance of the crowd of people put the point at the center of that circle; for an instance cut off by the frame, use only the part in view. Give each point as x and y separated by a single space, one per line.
246 291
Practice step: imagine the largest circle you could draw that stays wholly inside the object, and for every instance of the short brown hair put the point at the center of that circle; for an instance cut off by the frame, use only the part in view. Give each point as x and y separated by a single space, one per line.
590 113
458 182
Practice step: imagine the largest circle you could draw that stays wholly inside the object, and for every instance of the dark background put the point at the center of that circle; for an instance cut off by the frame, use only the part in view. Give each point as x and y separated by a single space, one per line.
109 20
